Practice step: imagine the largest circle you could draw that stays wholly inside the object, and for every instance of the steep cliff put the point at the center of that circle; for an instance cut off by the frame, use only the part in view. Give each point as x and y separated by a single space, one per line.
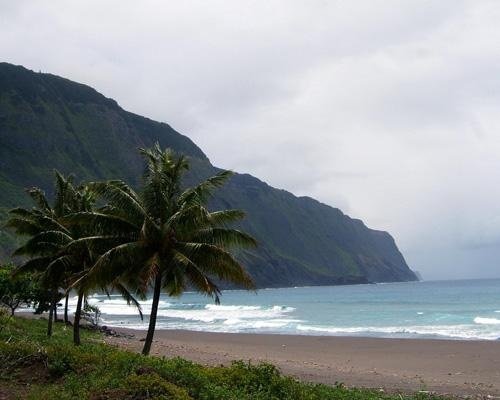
48 122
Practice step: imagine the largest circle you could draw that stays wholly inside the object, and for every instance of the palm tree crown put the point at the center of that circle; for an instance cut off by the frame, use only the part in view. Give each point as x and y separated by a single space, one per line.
168 238
55 245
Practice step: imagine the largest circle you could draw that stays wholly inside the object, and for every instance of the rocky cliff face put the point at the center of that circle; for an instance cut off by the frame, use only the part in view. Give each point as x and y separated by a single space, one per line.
48 122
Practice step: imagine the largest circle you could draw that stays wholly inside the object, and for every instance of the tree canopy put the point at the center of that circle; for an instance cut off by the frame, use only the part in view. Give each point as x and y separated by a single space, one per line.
109 237
15 291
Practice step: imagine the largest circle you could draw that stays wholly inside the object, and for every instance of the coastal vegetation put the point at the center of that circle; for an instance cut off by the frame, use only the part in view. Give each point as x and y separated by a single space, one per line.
106 236
158 233
162 237
53 252
33 366
15 293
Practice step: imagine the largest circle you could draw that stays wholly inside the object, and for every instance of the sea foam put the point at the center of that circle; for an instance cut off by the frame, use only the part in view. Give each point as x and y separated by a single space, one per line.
452 310
487 321
465 332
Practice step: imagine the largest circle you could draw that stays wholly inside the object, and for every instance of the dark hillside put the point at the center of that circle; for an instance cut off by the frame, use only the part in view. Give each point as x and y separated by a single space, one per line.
48 122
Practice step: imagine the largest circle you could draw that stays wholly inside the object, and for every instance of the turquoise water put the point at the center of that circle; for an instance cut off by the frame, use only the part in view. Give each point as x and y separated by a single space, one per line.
467 309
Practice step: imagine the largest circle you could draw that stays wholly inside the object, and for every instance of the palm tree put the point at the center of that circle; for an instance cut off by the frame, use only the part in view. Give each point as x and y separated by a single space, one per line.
54 246
48 236
169 239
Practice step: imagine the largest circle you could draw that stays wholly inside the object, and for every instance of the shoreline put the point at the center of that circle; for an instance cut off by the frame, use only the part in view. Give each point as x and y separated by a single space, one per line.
424 338
460 368
25 313
457 367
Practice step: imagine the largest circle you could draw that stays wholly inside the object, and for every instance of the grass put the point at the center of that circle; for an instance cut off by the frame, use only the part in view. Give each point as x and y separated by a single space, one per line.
33 366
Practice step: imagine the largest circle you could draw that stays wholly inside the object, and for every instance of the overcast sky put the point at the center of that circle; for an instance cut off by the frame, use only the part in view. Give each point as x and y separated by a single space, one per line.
388 110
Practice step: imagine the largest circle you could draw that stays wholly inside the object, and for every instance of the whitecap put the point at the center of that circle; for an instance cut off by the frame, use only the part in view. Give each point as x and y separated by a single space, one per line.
230 308
268 324
486 321
232 321
441 331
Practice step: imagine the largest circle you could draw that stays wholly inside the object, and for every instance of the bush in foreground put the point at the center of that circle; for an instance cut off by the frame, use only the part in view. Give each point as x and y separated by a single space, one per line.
35 367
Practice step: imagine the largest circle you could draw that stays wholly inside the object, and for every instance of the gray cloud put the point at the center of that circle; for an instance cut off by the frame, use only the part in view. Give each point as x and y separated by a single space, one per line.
386 109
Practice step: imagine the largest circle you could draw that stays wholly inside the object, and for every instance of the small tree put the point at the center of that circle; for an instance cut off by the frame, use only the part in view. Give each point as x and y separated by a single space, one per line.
15 292
91 314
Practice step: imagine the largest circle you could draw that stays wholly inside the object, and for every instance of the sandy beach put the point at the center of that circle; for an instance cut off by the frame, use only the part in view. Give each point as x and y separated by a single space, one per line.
443 366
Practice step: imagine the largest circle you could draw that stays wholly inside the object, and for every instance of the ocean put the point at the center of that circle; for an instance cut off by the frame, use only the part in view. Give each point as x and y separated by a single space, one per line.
462 309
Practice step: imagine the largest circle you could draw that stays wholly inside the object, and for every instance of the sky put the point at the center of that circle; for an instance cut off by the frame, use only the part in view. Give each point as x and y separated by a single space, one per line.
388 110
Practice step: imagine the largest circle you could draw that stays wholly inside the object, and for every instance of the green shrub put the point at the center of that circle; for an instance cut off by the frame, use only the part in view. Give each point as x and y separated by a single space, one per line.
98 371
4 318
59 366
15 291
152 386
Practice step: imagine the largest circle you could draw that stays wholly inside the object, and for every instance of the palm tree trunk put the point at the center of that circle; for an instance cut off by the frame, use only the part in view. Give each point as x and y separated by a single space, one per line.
55 307
66 309
51 313
152 317
76 322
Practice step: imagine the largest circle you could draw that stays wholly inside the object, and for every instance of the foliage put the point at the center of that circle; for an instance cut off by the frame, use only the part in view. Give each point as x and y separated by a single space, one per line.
48 242
42 298
58 370
57 253
166 238
4 318
15 291
91 314
162 237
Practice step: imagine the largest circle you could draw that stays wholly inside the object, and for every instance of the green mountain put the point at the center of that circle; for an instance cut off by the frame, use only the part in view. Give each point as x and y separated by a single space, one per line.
48 122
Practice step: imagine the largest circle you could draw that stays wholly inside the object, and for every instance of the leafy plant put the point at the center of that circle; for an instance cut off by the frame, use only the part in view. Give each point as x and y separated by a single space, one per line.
91 313
57 252
4 318
58 370
15 291
168 238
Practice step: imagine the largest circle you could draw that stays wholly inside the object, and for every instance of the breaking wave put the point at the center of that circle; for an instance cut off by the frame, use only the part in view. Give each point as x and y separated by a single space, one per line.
443 310
487 321
465 332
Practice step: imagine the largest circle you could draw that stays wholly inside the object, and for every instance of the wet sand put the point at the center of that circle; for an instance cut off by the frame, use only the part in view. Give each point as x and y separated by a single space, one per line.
443 366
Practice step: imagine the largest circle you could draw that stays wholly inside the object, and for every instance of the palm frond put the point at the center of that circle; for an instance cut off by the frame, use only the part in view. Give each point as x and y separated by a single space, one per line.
23 226
115 263
202 192
214 261
24 213
44 243
49 223
121 196
187 219
100 223
38 197
66 196
224 238
37 264
96 244
200 281
127 296
57 268
225 217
